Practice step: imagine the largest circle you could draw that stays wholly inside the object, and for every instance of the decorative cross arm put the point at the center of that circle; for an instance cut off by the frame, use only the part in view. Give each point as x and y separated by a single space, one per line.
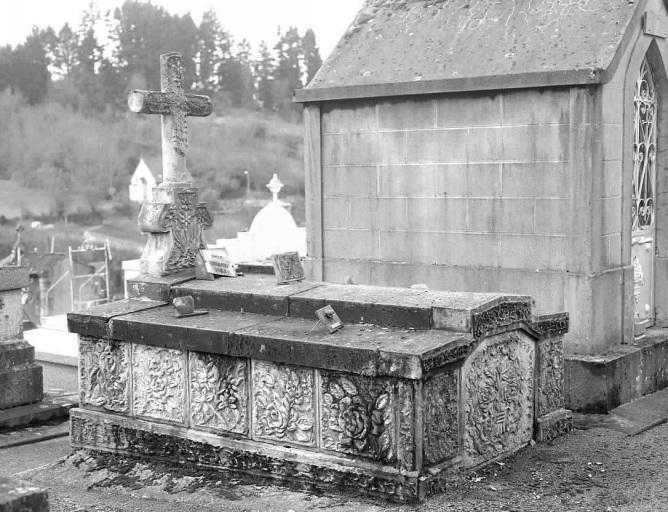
151 102
173 104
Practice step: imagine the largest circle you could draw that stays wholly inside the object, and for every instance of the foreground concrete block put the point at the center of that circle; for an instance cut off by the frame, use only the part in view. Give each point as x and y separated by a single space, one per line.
18 496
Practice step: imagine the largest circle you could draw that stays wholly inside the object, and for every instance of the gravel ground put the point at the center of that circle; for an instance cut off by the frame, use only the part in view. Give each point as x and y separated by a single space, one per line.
589 470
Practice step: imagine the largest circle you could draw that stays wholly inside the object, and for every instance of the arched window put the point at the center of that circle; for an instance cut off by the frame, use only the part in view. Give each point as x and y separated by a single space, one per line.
644 149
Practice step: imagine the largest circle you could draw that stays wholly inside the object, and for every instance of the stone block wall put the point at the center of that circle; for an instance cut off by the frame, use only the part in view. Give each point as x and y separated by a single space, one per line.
493 191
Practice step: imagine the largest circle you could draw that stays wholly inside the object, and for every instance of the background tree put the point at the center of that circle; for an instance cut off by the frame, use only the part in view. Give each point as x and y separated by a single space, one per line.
265 68
312 58
30 65
288 74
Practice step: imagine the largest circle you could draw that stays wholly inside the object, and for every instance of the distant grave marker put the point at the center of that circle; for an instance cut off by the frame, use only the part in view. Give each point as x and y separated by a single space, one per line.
288 267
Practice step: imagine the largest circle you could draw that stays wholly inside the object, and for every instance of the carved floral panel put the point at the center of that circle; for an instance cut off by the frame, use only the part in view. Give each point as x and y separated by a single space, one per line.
104 374
358 415
406 447
159 376
441 417
283 408
551 375
218 392
498 395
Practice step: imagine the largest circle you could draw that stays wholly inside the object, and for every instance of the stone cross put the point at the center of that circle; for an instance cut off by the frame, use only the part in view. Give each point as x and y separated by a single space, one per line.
174 218
173 105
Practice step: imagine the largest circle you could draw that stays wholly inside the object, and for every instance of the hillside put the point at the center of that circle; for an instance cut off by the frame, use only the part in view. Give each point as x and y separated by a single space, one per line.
60 162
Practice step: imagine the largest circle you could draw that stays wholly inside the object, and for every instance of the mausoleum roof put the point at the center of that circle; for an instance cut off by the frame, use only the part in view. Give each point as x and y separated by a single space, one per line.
400 47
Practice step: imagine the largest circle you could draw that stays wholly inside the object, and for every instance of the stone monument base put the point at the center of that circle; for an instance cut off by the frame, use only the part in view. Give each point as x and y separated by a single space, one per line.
415 384
601 382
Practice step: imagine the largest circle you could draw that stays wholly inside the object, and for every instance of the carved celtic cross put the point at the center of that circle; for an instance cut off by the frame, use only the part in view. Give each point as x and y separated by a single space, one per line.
173 105
174 219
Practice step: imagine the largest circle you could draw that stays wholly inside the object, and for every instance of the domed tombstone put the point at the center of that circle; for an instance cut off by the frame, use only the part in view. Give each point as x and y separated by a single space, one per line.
273 231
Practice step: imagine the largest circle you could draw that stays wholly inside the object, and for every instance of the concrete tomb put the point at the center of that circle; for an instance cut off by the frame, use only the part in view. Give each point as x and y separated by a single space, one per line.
20 377
510 146
415 382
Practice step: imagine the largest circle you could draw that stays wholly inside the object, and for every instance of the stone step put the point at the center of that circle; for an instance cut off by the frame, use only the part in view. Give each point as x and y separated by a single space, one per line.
14 352
388 307
361 348
55 405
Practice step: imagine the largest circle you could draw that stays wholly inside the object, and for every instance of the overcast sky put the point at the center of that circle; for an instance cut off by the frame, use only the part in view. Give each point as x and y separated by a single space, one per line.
253 19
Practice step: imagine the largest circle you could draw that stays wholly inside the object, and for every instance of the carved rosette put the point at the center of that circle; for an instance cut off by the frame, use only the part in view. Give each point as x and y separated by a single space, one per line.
357 415
498 395
441 417
406 447
283 407
218 391
158 377
104 374
551 375
185 219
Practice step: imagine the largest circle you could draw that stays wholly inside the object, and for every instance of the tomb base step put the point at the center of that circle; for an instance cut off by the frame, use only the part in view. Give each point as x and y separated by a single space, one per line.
289 466
55 405
601 382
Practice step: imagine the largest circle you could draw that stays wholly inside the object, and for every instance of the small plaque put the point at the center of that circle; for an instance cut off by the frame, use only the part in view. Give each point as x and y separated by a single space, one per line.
328 316
288 267
218 262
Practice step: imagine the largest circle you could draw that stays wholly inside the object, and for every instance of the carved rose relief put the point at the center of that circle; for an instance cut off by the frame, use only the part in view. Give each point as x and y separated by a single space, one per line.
103 374
283 403
441 418
159 383
358 415
551 377
499 397
218 392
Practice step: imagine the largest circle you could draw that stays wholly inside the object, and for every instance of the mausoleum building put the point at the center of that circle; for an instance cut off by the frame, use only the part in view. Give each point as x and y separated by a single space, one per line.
514 146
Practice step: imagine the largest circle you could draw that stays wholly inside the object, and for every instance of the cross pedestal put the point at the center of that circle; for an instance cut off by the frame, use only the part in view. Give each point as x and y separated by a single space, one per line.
174 218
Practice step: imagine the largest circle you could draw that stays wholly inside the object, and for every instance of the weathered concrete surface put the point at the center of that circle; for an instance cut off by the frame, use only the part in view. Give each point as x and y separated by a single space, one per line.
436 40
157 288
604 381
55 405
19 496
13 278
93 321
251 294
